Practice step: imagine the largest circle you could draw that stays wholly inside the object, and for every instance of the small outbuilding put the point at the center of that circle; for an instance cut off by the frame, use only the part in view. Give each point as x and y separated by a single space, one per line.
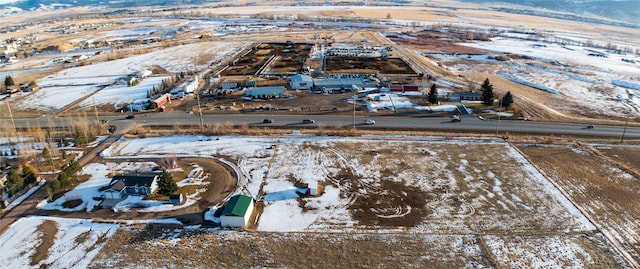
176 198
237 212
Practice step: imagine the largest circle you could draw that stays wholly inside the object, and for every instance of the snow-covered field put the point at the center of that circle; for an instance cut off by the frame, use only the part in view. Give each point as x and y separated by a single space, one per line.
73 84
487 186
74 244
119 94
606 85
428 186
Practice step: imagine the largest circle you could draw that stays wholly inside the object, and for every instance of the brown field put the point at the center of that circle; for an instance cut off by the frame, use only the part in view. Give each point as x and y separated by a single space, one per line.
598 187
538 234
270 58
337 64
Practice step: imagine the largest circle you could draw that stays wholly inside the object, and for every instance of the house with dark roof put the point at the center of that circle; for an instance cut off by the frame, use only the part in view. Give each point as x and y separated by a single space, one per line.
123 185
237 212
465 96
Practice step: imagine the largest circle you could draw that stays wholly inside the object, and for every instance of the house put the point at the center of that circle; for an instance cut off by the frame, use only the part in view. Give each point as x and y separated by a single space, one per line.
123 185
301 82
266 92
465 96
237 212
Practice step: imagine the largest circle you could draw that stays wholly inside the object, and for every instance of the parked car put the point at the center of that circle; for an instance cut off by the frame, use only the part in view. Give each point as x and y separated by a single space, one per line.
267 121
368 122
308 121
130 116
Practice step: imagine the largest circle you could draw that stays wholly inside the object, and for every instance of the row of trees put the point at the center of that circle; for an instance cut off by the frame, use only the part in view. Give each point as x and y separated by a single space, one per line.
65 179
16 181
487 95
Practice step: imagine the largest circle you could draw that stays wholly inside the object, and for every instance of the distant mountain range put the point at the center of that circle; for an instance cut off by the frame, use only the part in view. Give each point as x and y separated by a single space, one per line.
627 11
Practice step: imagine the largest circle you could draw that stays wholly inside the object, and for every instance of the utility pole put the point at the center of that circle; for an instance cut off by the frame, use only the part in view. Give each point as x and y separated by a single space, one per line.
15 131
498 123
95 109
353 127
200 111
624 130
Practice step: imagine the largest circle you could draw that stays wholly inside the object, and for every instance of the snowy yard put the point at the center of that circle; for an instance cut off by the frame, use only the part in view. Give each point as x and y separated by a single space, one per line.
434 188
425 185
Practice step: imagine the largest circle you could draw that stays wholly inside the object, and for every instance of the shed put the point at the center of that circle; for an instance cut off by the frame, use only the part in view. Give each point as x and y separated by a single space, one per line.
176 198
237 212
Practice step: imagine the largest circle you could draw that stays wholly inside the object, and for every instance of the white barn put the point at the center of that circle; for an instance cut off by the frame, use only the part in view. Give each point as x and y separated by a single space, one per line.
237 212
301 82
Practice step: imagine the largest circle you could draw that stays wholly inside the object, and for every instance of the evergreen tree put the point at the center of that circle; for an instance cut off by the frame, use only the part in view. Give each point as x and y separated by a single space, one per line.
8 81
14 180
507 100
29 174
487 92
166 184
432 97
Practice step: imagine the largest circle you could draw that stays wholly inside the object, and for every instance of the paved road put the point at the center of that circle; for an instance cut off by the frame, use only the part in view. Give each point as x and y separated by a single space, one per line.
28 206
469 124
22 210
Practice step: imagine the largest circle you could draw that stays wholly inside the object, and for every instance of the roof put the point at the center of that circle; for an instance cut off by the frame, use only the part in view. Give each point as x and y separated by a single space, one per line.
117 186
237 206
121 181
299 77
467 94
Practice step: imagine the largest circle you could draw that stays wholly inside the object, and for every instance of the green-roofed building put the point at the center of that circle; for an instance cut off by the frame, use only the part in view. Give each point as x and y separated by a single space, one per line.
237 212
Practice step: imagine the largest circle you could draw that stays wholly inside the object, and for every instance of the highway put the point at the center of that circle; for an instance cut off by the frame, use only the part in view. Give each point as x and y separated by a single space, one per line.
420 123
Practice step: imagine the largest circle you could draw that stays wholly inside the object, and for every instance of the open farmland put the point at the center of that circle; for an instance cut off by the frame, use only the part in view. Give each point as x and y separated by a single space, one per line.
336 64
270 58
469 202
602 190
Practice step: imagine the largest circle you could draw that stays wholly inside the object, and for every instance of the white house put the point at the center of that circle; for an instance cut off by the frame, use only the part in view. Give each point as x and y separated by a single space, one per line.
123 185
301 82
237 212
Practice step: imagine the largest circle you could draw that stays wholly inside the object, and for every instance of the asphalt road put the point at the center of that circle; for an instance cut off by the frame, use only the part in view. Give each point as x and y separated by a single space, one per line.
424 123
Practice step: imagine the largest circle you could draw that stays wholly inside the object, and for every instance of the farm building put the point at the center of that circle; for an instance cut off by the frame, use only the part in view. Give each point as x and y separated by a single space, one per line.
265 92
237 212
123 185
404 88
165 98
229 86
189 86
465 96
348 84
301 82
